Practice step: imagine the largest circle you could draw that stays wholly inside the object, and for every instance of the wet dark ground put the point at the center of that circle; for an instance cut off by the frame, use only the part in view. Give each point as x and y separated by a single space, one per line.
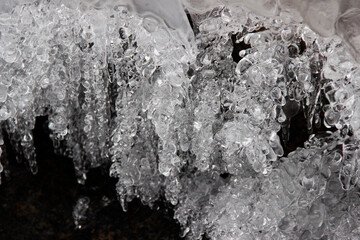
40 206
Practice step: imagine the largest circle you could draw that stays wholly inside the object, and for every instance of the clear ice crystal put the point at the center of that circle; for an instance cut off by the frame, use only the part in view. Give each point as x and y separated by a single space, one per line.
80 212
193 102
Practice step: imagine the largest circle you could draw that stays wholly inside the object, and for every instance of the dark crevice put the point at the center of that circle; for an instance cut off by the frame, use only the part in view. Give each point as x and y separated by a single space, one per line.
261 29
237 47
302 46
294 134
225 175
112 89
40 206
122 34
190 72
190 20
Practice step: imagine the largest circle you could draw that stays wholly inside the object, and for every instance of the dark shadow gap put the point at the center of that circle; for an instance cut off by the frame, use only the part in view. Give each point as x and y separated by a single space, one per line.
237 47
40 206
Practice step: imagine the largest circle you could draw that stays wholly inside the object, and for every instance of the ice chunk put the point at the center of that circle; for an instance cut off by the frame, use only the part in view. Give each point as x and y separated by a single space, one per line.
6 6
172 13
199 6
80 212
348 27
320 15
268 8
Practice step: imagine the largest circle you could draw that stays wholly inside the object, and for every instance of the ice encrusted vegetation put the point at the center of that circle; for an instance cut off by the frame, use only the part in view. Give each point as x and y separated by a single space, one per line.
179 114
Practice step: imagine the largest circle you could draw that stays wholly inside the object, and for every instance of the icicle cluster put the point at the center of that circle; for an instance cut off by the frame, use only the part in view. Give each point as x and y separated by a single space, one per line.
196 119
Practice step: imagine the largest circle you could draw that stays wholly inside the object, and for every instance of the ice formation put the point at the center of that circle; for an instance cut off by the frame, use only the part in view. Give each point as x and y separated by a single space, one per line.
178 114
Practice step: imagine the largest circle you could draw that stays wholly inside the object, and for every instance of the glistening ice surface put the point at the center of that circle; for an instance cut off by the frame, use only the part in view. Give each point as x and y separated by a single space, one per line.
186 102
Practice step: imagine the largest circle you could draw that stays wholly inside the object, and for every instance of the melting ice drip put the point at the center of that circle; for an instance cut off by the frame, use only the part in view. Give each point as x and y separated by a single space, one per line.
175 116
